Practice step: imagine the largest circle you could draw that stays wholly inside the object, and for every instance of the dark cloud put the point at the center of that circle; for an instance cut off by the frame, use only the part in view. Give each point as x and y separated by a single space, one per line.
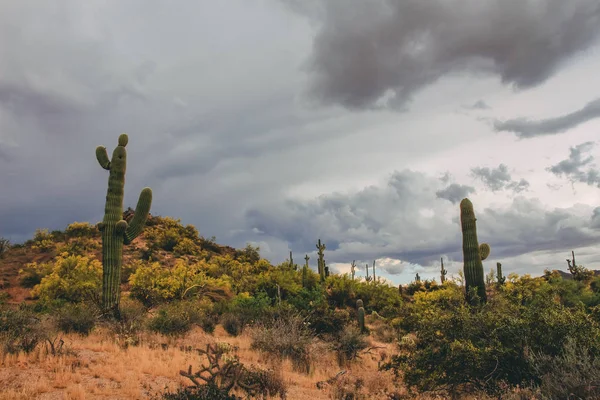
499 178
573 168
365 52
526 128
455 192
406 220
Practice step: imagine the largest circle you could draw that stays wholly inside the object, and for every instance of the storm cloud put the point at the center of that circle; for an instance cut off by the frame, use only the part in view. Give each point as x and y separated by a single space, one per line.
406 220
527 128
454 193
573 168
212 96
380 53
499 178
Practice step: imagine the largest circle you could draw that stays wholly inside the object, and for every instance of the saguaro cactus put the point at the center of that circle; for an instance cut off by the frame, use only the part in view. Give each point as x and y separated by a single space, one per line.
305 272
360 312
117 232
473 254
353 268
443 272
321 262
500 278
292 266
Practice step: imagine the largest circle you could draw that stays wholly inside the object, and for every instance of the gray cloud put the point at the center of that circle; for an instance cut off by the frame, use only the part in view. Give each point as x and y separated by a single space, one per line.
499 178
454 193
368 52
406 220
478 105
526 128
573 167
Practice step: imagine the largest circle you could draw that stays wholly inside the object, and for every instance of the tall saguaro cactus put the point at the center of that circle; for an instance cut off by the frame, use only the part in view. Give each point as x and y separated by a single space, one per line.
473 253
443 272
117 232
321 262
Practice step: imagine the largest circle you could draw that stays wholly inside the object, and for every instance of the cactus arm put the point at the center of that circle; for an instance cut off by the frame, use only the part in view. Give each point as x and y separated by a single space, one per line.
102 157
140 216
121 227
484 251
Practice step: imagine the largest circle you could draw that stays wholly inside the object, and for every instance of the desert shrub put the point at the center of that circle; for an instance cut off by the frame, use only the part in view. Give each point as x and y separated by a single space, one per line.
245 310
458 347
185 247
574 373
79 246
342 290
285 338
131 321
80 229
379 297
20 330
175 319
153 284
73 279
348 345
250 254
43 241
77 318
232 324
33 273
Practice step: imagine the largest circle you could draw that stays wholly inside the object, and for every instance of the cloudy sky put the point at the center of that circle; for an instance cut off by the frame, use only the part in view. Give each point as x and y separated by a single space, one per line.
278 122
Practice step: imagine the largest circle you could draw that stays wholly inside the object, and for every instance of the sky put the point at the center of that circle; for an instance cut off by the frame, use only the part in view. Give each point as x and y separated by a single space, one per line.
281 122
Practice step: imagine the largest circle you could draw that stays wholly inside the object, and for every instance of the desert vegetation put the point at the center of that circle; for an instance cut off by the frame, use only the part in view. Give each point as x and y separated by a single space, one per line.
140 306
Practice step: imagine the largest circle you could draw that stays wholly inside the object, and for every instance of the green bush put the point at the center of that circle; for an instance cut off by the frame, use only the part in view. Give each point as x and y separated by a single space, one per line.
348 344
80 229
175 319
77 318
459 347
73 279
20 330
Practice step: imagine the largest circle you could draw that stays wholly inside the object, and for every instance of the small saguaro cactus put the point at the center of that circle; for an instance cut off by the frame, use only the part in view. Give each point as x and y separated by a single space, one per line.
473 253
443 272
117 232
500 278
353 268
321 262
360 312
291 261
417 278
305 272
368 278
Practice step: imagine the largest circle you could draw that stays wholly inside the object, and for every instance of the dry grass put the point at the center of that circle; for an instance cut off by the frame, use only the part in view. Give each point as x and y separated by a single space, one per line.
95 367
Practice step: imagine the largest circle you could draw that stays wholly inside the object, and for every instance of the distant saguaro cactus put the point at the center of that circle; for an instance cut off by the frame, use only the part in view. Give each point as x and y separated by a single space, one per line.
321 262
353 268
500 278
443 272
305 272
473 253
117 232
